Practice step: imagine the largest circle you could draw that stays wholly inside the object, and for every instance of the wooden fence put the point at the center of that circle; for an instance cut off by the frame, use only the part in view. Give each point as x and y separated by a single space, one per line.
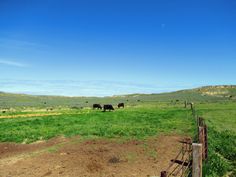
179 166
189 160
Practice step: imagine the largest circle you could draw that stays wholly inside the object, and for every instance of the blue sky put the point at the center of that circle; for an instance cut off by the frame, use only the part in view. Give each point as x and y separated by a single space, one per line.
106 47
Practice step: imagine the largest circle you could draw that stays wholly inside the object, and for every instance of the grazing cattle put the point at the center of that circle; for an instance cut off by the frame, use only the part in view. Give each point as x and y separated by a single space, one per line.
121 105
3 111
138 100
97 106
108 107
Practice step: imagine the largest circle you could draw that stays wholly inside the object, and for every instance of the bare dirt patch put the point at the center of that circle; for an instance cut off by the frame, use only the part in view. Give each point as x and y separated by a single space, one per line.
90 158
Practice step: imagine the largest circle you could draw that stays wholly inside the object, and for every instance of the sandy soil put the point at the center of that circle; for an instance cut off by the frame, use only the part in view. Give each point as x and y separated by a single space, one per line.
88 158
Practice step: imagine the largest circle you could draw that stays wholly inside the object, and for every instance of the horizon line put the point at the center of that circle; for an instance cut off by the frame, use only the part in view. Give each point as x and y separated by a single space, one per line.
118 95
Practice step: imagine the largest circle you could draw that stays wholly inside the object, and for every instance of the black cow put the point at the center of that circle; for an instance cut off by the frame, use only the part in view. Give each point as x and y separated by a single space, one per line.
121 105
97 106
108 107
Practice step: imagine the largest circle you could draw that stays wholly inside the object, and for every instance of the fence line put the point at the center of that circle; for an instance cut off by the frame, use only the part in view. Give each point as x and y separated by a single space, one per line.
192 154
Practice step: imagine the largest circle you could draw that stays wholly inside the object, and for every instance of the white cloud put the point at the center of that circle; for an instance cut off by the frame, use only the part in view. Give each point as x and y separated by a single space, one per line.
20 44
12 63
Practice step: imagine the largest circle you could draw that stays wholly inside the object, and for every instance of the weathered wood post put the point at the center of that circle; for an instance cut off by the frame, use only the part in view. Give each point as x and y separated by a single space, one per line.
201 138
197 160
198 122
206 142
185 104
201 121
192 106
163 174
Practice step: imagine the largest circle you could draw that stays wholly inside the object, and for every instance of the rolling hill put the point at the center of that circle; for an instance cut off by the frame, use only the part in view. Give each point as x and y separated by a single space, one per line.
206 93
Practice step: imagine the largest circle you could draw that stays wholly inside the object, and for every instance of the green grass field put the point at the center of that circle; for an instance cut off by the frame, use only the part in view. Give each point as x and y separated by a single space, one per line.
221 120
153 115
132 122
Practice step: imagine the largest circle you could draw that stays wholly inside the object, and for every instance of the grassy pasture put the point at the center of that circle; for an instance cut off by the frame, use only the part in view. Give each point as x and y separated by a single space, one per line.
132 122
221 115
221 120
155 114
136 121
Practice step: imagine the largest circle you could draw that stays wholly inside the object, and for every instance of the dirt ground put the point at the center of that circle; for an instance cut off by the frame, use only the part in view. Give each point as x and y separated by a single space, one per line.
88 158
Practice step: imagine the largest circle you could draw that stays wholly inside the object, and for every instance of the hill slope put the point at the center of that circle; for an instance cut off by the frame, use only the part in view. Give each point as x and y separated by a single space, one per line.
207 93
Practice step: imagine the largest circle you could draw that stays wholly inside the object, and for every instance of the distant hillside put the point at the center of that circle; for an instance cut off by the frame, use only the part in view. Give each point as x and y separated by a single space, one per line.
207 93
218 91
199 94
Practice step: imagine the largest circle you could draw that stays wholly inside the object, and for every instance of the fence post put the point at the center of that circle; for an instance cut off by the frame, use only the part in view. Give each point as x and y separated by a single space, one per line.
197 160
201 121
201 140
185 104
193 109
206 142
191 106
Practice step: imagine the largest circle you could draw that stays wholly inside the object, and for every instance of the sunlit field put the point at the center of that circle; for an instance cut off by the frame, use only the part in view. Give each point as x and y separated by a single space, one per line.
138 120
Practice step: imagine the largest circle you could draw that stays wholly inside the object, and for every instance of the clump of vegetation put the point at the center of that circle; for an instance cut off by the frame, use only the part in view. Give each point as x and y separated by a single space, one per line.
222 153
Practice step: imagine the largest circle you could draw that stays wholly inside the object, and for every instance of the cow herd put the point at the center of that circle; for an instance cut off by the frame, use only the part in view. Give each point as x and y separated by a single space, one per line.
108 107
